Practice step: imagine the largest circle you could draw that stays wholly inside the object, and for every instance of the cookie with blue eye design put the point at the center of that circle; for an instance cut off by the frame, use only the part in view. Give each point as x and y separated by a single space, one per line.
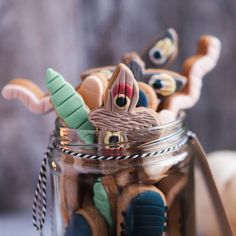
120 114
163 83
162 51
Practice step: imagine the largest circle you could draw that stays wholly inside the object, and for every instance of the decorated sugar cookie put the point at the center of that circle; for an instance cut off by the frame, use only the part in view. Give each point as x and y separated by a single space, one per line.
161 52
29 94
93 88
163 83
194 69
119 112
68 104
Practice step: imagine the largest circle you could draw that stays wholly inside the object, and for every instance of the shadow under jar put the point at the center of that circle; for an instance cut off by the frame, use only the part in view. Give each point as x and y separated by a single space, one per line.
137 182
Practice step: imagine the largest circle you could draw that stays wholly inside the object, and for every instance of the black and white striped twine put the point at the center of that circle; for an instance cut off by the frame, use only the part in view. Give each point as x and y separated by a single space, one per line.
134 156
40 200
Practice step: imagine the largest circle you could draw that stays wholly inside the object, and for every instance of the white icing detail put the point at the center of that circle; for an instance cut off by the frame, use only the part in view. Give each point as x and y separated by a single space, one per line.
28 98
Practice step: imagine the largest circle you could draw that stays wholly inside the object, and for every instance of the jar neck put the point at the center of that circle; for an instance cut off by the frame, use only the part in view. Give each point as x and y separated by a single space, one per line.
130 141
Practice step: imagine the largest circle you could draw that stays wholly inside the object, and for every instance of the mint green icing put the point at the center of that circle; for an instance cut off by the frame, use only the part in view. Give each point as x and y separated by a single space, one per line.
101 201
77 118
63 94
54 80
68 104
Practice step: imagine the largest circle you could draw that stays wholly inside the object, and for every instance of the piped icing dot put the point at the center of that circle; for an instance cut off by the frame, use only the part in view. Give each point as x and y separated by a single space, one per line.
157 54
113 139
157 84
121 101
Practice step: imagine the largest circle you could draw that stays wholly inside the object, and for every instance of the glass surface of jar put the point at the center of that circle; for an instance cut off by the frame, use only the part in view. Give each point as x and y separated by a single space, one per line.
126 183
137 182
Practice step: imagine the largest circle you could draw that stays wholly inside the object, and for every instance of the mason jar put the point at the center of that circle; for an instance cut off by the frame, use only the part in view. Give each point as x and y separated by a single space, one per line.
133 183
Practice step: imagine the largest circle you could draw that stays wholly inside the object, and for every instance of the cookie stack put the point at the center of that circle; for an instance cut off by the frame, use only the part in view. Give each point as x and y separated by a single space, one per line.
114 108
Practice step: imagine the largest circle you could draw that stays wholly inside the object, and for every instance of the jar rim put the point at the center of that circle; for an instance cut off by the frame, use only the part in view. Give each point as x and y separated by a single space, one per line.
178 121
164 134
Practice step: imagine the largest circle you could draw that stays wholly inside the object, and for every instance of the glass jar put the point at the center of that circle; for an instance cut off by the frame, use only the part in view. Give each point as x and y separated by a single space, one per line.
137 182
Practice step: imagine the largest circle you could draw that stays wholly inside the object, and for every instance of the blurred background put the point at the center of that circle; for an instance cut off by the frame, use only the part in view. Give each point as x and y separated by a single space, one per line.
71 36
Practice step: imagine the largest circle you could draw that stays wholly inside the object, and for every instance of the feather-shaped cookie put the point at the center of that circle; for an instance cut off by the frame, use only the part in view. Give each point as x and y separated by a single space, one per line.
119 111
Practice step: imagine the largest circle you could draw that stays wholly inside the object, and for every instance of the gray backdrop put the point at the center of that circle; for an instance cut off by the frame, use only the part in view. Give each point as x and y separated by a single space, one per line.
71 36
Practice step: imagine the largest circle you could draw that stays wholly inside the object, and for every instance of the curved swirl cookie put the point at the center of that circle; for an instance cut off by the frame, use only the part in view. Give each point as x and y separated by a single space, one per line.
194 69
29 94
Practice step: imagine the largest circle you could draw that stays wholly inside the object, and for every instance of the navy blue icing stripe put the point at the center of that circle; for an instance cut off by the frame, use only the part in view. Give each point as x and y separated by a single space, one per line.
78 226
145 215
143 99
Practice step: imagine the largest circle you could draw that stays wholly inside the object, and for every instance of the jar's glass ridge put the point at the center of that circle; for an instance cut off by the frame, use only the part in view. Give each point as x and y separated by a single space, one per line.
103 182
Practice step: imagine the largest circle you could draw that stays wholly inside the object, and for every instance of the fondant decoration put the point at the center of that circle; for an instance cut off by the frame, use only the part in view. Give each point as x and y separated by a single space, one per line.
29 94
141 211
69 105
194 69
161 51
105 199
164 82
67 102
119 112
